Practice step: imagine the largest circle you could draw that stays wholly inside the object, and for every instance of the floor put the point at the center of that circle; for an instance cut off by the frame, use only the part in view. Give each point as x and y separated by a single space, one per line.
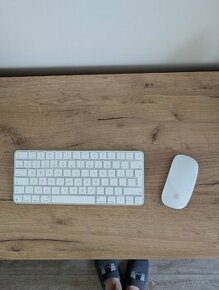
81 275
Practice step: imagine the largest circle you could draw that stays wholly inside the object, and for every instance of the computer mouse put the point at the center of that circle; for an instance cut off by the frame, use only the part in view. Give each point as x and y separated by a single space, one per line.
180 182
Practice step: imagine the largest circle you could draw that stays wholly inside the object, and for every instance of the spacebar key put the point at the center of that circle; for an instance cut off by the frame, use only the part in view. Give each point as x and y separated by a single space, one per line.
73 199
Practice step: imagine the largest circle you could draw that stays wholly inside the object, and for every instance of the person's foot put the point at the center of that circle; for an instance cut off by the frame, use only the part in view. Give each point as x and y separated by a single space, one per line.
136 275
113 284
108 273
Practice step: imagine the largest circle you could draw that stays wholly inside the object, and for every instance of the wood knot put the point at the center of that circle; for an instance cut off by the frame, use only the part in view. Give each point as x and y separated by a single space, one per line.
60 221
148 85
12 135
155 134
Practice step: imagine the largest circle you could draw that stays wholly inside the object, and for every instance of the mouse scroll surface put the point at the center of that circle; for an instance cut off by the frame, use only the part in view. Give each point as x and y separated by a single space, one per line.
180 182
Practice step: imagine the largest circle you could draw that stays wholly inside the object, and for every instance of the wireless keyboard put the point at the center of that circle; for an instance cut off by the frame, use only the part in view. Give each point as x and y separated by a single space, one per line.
79 177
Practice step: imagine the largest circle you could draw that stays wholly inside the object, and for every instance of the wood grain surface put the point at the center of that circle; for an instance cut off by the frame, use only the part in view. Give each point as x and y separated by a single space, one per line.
81 275
160 114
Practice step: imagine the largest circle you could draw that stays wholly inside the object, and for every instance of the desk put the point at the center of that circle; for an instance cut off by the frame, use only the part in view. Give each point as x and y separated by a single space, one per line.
160 114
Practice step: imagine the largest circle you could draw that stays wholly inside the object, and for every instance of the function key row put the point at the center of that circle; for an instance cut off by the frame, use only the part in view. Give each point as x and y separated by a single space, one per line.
78 155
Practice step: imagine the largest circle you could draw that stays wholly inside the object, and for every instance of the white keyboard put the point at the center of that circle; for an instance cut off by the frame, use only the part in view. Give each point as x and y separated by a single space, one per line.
79 177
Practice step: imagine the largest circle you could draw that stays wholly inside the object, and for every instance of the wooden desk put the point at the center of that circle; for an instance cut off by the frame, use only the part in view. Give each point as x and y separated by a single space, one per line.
161 114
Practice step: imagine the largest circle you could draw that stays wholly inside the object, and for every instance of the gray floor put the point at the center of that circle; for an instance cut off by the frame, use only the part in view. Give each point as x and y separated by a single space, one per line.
81 275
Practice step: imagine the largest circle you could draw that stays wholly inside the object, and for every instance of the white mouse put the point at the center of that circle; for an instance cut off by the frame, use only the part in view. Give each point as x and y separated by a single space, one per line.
180 182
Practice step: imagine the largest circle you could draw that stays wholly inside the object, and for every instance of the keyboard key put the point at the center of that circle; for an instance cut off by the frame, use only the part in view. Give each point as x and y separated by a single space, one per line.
45 199
116 164
73 190
93 173
95 181
104 181
102 155
111 199
28 164
85 155
118 191
21 155
80 199
29 189
32 155
106 164
111 155
49 172
52 181
101 199
139 156
139 200
78 181
76 155
18 198
36 164
125 164
35 199
69 181
44 163
84 173
103 173
122 181
113 182
55 190
98 164
140 179
129 156
132 191
38 190
26 198
49 155
89 164
21 172
40 172
80 164
91 190
132 182
87 182
58 181
94 155
54 163
109 191
75 173
57 172
67 172
120 200
120 173
62 163
129 200
64 190
82 190
129 173
136 164
19 189
121 155
19 163
40 155
58 155
31 172
22 181
71 164
46 190
100 190
42 181
66 155
111 173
